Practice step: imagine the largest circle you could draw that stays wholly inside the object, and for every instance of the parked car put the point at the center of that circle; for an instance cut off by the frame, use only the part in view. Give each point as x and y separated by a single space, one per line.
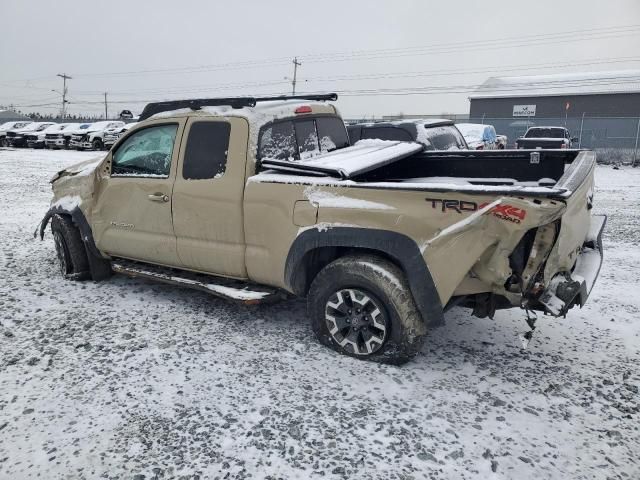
93 137
261 201
18 137
111 136
501 142
546 137
38 139
60 138
432 134
5 127
478 136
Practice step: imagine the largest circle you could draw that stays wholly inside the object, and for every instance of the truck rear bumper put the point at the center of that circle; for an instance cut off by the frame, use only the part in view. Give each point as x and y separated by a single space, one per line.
568 289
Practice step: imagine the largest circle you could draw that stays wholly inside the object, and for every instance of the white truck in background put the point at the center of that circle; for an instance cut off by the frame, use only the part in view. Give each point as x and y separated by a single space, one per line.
93 137
111 136
62 139
5 127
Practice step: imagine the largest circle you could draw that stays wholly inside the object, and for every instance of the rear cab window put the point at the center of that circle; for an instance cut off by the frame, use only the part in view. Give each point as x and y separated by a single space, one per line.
301 138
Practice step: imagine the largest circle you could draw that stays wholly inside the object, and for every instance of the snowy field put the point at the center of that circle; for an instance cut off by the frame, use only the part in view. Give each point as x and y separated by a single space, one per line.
128 379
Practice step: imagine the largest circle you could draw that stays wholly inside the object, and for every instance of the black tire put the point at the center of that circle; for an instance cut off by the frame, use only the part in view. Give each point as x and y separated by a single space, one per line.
3 142
70 251
97 144
379 285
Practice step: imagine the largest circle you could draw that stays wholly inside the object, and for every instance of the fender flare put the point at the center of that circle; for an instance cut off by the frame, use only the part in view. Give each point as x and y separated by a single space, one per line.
402 249
98 264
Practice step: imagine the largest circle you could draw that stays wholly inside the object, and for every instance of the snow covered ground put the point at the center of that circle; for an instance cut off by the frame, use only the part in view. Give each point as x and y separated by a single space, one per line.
131 379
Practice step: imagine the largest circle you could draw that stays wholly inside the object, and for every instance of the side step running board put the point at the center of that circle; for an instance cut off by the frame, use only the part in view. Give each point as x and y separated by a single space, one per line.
230 289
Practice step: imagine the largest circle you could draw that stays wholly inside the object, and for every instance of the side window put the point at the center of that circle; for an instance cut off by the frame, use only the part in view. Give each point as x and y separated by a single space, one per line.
146 153
278 141
207 149
387 133
332 134
307 138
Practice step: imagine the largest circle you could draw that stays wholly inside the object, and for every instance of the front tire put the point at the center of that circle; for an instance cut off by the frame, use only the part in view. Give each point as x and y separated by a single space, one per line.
97 144
70 251
362 306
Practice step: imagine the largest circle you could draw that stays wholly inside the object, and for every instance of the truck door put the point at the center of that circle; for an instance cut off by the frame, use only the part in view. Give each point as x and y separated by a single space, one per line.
132 214
208 196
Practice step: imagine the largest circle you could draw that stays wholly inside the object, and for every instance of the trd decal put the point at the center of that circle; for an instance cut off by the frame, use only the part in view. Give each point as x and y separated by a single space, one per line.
505 212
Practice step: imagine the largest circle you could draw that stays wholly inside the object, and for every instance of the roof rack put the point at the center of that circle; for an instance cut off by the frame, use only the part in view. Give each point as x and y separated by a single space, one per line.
323 97
233 102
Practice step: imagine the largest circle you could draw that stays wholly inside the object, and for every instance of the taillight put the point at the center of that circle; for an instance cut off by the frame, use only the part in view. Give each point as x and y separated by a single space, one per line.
303 109
564 145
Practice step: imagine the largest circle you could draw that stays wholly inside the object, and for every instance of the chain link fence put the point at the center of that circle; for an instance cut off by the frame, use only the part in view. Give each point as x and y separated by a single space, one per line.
615 139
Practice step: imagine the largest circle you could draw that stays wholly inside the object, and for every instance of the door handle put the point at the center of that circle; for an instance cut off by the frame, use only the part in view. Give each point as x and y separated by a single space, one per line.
158 197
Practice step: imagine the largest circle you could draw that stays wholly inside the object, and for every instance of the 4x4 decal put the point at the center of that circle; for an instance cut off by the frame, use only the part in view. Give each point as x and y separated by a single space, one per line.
503 211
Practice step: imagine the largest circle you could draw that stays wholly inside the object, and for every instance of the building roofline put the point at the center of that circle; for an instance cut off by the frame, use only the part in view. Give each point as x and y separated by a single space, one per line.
555 94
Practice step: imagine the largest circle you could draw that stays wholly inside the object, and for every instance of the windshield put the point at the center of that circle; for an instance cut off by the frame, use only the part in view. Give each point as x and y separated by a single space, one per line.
444 137
471 132
545 133
43 127
11 125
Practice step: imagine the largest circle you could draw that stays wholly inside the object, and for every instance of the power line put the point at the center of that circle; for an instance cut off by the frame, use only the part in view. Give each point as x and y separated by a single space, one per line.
442 48
360 77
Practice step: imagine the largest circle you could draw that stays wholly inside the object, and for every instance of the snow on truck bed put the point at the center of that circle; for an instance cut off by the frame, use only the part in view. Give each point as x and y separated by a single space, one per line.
364 156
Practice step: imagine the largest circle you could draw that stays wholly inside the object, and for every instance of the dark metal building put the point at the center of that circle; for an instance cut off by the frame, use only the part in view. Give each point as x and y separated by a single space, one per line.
601 108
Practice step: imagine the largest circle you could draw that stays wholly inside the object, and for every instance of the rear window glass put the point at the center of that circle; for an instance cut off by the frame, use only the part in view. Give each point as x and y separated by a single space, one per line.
302 138
545 133
207 149
444 137
278 141
386 133
332 134
307 138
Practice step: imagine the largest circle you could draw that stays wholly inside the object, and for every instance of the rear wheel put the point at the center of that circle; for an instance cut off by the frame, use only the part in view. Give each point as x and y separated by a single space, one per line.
3 142
70 251
361 306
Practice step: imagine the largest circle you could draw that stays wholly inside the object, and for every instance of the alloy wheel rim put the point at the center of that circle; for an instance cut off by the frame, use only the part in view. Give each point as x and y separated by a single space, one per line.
356 320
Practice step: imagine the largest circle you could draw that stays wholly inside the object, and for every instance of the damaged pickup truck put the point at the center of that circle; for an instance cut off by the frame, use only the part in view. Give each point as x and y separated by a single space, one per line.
257 199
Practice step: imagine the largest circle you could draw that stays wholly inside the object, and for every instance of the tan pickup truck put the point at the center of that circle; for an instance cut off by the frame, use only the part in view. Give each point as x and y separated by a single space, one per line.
256 199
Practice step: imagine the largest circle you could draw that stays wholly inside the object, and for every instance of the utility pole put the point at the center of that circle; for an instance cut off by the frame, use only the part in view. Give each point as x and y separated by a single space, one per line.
106 113
64 77
296 64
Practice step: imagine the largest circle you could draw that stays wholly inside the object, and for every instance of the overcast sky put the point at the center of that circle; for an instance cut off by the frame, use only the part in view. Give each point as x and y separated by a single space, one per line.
149 50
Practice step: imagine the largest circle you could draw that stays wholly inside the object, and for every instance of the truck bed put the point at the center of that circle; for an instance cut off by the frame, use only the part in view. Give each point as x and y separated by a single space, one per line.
534 173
